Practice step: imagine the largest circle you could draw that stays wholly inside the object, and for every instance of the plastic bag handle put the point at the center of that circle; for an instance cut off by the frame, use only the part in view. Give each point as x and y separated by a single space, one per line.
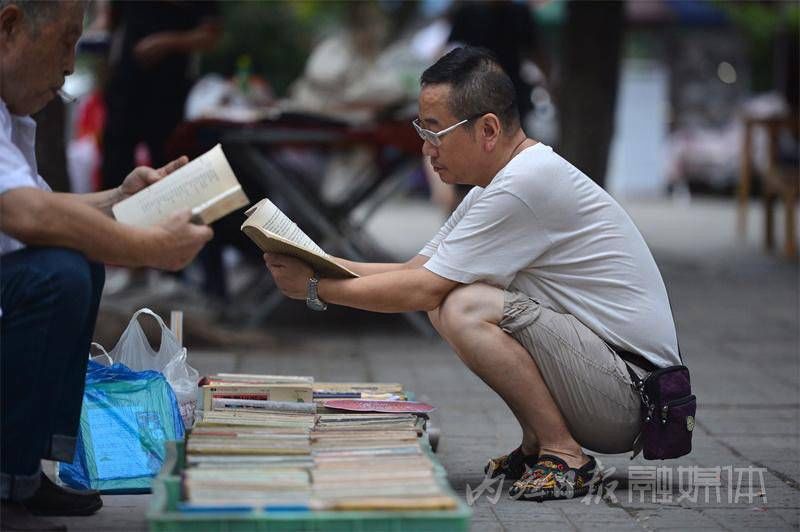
160 321
151 313
101 348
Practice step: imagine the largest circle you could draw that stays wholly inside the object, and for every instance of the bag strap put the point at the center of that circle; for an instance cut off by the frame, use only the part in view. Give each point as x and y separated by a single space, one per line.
164 328
150 313
101 348
674 324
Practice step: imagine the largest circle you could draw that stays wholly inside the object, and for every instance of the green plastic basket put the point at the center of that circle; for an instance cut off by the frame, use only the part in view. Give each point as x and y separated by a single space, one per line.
163 515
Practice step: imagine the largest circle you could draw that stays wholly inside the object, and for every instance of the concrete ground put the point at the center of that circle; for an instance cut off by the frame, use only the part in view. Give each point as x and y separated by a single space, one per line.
737 315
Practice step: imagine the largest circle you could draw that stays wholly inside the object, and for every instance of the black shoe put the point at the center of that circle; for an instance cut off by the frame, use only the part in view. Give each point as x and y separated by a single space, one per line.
512 465
14 516
52 499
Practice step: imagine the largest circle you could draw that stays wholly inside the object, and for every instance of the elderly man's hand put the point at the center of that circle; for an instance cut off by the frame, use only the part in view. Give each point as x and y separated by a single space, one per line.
144 176
290 274
176 241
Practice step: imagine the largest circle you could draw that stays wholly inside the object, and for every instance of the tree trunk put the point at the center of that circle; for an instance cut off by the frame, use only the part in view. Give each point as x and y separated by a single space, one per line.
592 42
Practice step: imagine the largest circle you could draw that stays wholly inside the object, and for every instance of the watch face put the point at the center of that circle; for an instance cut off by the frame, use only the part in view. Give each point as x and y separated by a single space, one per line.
316 304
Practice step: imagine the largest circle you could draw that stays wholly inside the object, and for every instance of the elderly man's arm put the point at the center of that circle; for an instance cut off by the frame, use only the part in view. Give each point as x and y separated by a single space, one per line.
41 218
140 178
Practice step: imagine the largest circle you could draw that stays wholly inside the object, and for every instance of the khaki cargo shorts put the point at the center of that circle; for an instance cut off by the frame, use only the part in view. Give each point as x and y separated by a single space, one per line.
589 382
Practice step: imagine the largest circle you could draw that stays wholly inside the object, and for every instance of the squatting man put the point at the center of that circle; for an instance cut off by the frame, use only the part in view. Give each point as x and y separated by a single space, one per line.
539 281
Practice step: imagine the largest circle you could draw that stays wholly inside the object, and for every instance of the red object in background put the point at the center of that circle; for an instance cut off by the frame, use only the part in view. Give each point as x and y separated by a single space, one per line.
90 122
91 116
393 407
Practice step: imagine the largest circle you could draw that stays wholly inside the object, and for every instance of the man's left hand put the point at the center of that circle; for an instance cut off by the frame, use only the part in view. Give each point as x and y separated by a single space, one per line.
290 274
144 176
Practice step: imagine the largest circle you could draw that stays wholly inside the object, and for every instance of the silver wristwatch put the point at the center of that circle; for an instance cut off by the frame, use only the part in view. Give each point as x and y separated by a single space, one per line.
312 297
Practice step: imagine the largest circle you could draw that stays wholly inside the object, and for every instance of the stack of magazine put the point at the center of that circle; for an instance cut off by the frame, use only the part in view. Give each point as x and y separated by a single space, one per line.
266 442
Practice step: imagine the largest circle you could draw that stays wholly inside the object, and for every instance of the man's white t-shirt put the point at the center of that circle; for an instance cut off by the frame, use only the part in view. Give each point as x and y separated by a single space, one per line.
17 162
544 228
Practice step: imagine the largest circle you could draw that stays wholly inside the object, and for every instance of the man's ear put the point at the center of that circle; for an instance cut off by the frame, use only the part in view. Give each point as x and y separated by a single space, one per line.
10 20
490 131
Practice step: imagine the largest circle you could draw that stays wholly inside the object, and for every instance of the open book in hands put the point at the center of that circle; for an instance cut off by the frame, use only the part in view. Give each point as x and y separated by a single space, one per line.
274 232
205 185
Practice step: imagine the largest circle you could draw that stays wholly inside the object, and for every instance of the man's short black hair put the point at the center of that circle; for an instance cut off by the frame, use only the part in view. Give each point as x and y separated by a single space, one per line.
478 85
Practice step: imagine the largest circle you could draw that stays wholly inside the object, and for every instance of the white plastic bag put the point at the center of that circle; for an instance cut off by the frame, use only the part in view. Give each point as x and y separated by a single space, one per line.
134 350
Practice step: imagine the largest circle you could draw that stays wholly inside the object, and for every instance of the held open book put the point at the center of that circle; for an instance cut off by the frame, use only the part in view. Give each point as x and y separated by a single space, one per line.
274 232
205 185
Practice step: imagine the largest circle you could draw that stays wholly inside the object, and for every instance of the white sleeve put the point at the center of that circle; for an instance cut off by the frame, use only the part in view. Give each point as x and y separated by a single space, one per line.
15 172
496 238
430 248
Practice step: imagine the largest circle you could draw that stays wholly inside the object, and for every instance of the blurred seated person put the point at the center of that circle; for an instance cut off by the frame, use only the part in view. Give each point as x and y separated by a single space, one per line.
347 74
354 76
52 250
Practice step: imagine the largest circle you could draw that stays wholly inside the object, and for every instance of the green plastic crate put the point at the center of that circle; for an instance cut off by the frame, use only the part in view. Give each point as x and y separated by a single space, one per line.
163 515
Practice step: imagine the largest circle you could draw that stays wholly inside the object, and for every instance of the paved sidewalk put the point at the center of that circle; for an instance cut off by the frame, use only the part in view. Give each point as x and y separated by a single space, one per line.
737 316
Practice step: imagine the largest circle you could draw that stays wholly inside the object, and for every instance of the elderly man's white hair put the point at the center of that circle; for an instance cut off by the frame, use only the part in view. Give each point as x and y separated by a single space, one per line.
38 11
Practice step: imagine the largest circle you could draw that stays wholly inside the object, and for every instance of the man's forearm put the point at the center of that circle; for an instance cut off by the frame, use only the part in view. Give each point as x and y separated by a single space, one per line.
372 268
42 218
102 201
391 291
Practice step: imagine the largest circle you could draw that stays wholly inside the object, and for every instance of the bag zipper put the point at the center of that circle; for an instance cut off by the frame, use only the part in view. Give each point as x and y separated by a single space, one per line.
672 404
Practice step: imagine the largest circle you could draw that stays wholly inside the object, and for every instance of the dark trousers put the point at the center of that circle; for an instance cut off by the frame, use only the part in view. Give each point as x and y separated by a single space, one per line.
49 299
138 110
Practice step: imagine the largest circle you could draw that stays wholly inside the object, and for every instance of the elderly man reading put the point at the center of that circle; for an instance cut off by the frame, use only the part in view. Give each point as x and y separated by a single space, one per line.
539 281
51 250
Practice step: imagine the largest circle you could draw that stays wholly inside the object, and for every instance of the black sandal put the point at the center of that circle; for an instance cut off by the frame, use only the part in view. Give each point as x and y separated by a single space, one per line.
552 479
512 465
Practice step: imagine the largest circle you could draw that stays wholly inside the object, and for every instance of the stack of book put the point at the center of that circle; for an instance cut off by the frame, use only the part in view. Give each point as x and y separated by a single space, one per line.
378 467
373 391
250 444
265 441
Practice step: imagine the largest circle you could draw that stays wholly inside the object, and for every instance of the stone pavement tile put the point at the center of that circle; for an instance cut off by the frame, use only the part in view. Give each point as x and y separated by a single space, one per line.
537 526
673 518
722 384
119 512
768 420
579 512
508 509
334 359
747 519
790 515
208 362
486 526
614 526
779 453
693 529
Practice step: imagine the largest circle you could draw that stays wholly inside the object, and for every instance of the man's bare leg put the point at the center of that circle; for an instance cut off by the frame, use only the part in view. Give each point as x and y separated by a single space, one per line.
468 319
530 446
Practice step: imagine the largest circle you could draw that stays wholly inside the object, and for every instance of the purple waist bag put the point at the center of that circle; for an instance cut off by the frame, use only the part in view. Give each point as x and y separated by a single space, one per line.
668 413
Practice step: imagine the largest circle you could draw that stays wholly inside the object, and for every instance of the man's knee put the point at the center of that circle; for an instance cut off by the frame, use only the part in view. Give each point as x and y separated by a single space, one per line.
469 306
63 276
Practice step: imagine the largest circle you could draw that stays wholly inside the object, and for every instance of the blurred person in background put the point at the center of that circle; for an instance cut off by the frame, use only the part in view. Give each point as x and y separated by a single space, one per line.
539 281
150 60
52 246
508 30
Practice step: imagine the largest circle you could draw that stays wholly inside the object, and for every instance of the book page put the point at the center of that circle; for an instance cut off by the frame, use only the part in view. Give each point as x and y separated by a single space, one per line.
271 218
193 185
274 232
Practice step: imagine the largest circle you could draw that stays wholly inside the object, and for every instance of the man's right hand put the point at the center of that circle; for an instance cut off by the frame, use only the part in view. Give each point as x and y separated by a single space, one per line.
176 242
